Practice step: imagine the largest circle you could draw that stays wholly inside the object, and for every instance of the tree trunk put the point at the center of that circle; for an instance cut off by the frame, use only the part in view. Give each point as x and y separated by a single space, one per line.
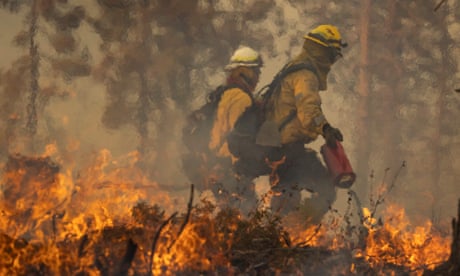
363 151
143 103
389 105
443 79
142 115
455 248
31 126
452 266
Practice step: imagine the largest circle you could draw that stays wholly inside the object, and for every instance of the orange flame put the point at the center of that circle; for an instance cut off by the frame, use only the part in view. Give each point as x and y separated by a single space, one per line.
44 206
397 242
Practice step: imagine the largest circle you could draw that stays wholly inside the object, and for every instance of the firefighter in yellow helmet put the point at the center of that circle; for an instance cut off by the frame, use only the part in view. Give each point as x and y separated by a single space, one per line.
298 94
243 73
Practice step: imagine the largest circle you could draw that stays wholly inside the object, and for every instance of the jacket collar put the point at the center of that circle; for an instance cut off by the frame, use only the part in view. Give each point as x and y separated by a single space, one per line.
240 82
320 57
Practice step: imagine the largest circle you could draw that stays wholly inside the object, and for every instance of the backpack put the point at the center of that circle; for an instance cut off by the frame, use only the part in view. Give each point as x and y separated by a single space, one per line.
242 139
198 125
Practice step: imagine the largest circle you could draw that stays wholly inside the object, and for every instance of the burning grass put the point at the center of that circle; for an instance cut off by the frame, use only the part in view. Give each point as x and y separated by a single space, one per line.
103 225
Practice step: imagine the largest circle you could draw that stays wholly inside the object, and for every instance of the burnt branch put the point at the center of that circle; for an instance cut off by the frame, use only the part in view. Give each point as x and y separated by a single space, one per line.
157 236
131 249
83 243
452 265
439 5
187 217
304 243
381 197
455 248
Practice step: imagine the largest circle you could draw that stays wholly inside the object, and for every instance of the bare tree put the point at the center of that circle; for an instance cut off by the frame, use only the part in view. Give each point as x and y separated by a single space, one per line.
363 152
64 21
443 130
165 45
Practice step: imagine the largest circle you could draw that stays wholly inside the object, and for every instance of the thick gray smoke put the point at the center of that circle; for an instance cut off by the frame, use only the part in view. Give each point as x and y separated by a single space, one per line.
151 62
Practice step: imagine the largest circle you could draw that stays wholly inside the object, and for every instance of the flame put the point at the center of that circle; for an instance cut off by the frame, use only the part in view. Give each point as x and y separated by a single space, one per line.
392 240
329 234
273 165
57 218
44 204
190 251
397 242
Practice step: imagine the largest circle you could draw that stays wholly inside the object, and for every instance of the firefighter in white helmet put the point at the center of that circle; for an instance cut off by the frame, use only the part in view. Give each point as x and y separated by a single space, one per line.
243 77
243 73
299 94
209 163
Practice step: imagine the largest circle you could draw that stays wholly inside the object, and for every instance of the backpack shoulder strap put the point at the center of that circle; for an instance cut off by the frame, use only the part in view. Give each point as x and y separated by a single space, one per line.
286 70
217 94
296 67
273 87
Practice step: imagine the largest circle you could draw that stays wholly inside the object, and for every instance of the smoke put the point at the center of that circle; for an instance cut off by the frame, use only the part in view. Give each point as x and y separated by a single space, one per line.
147 64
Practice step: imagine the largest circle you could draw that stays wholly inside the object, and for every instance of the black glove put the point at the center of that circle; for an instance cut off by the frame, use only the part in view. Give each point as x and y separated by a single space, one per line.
331 135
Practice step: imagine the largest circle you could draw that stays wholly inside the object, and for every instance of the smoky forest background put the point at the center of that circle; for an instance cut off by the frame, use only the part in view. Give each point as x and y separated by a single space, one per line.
114 79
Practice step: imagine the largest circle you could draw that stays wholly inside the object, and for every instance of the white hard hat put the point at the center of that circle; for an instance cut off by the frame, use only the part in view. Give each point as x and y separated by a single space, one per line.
244 56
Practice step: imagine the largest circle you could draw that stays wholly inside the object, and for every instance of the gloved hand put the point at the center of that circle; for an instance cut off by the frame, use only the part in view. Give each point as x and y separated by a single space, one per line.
331 135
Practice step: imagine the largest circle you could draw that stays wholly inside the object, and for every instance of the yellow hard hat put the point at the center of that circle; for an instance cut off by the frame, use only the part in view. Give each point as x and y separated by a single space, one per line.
326 35
244 56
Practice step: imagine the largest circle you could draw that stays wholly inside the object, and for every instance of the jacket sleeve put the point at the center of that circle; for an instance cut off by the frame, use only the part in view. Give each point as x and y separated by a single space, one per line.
308 101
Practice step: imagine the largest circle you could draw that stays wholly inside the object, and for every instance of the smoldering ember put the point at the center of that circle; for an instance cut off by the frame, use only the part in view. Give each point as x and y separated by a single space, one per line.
100 100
